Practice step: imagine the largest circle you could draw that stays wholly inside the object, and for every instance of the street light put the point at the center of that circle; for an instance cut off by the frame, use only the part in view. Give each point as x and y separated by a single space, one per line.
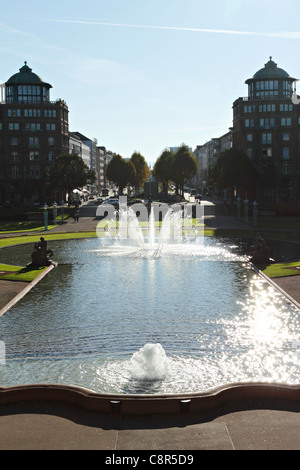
46 217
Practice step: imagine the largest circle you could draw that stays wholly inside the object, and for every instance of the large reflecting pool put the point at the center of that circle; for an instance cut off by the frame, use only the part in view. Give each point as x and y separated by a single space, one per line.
114 318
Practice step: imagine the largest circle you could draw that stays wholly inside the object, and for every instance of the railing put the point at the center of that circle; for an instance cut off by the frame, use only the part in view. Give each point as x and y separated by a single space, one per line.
264 98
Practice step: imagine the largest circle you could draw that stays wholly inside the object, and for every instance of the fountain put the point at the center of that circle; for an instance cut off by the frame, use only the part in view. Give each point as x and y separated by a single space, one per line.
149 363
149 306
176 225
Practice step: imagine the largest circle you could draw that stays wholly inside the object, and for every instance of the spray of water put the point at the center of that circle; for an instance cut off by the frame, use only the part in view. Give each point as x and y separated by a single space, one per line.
149 363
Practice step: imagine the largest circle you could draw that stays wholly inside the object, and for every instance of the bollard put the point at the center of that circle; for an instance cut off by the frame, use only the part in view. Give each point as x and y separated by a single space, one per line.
62 203
246 210
46 217
238 203
54 213
255 214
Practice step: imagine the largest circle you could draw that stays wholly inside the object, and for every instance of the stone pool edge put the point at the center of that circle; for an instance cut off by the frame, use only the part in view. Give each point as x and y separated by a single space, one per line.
27 289
275 285
233 396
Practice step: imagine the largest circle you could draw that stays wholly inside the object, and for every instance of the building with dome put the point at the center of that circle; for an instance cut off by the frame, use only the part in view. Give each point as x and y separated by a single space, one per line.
33 131
266 126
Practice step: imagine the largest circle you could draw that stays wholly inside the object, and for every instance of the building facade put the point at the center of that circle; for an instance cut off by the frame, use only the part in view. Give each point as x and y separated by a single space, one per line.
206 156
34 131
266 126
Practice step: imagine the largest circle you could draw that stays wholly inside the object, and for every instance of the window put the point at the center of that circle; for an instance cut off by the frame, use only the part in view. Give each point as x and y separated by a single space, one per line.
50 140
267 152
13 126
286 152
285 121
34 171
267 88
51 157
286 107
33 126
33 142
286 137
34 156
14 156
13 112
32 113
15 171
50 127
267 123
50 113
14 141
266 138
250 153
249 137
286 168
267 108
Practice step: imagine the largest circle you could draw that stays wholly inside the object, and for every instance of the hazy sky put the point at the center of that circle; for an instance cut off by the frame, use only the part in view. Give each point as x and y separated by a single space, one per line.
146 75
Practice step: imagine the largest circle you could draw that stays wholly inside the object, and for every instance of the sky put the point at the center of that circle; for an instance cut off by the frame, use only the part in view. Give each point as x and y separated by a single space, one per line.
141 75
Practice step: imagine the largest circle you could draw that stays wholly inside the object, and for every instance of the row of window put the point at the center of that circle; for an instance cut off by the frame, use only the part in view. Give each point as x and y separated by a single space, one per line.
267 152
33 142
31 126
34 172
33 156
267 137
267 108
269 122
16 112
285 167
27 93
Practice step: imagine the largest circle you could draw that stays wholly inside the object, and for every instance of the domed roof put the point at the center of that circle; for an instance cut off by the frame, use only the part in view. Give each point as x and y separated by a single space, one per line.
26 77
271 71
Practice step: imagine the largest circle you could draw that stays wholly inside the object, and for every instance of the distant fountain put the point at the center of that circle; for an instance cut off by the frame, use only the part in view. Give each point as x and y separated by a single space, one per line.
161 226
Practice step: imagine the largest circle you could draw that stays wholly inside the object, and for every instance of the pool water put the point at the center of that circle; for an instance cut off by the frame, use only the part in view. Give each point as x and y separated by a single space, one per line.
114 318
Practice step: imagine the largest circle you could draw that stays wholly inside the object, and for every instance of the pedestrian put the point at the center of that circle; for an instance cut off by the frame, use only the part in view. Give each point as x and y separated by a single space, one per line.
76 215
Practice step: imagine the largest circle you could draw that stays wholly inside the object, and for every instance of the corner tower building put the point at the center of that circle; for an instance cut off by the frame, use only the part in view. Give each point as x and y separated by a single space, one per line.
266 126
33 132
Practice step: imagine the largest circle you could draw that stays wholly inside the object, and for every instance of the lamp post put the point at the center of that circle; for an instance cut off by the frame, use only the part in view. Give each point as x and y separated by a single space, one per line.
105 161
46 217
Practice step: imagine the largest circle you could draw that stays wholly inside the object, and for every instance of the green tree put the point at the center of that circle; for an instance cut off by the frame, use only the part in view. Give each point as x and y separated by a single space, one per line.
69 172
162 169
120 172
141 169
232 169
184 167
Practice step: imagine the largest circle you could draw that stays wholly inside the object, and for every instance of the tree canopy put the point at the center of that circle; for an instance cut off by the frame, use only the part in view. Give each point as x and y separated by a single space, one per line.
69 172
162 168
121 172
141 169
232 169
183 167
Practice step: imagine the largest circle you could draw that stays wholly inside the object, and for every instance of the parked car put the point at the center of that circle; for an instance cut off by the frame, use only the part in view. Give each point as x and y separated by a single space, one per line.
112 201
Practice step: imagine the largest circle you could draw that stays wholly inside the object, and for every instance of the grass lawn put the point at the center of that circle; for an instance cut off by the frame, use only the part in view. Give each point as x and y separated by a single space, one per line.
282 269
19 273
10 241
